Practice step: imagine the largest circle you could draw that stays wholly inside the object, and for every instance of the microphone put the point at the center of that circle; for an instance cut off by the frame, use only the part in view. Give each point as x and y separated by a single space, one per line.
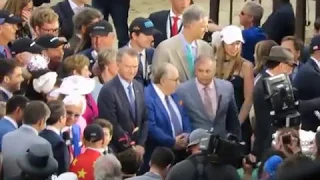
66 137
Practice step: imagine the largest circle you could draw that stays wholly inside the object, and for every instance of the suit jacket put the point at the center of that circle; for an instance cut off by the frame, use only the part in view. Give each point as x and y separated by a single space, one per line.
146 176
114 106
15 144
148 63
5 127
226 119
63 9
59 149
172 51
3 96
307 84
160 19
88 53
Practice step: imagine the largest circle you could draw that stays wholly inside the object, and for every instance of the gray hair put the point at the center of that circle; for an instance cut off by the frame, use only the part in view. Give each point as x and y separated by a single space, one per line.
85 17
126 51
193 13
161 71
107 167
255 10
106 56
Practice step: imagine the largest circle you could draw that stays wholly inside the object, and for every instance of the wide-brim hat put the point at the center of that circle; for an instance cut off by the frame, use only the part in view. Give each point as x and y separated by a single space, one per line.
76 85
280 54
38 161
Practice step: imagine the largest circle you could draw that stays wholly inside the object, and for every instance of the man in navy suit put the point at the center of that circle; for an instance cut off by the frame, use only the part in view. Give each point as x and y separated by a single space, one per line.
307 82
142 31
169 124
14 115
121 101
55 123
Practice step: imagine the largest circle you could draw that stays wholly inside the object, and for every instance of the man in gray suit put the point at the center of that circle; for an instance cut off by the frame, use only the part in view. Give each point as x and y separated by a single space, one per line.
209 101
161 160
19 141
182 49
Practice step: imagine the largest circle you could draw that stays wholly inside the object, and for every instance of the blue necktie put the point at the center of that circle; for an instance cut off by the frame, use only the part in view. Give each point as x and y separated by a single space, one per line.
190 60
132 101
174 118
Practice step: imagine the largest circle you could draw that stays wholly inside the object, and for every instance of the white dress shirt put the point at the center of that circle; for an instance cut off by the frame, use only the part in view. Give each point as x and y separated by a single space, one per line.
142 59
8 93
12 121
75 8
125 85
173 104
54 129
169 26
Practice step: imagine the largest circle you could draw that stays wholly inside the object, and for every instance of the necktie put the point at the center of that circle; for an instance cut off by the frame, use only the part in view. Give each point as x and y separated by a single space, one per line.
132 101
140 67
174 29
174 118
208 103
190 59
7 52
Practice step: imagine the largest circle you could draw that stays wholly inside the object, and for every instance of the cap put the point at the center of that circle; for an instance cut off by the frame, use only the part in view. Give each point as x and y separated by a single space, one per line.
7 17
315 43
25 45
280 54
93 133
100 28
196 136
49 41
143 25
231 34
272 164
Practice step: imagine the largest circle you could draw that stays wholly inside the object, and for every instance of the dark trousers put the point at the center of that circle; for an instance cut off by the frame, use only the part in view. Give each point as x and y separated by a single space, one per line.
119 11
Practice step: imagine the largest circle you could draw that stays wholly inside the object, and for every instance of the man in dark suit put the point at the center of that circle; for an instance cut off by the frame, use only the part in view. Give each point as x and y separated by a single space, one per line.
307 83
142 31
10 79
66 9
168 22
283 18
169 124
280 61
14 114
55 123
210 101
121 101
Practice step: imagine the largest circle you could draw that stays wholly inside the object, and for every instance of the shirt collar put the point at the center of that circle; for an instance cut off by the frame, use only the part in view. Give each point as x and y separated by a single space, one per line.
74 5
54 129
316 61
143 52
174 15
201 86
12 121
268 72
124 83
193 44
31 128
158 91
8 93
2 49
100 150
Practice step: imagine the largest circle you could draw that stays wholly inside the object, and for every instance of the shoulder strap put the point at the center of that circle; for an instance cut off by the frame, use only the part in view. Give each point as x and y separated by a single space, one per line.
199 164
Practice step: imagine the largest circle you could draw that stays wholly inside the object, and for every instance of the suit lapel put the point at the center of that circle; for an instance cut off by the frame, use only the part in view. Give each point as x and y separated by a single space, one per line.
163 21
67 9
197 98
181 55
315 65
123 94
138 98
218 96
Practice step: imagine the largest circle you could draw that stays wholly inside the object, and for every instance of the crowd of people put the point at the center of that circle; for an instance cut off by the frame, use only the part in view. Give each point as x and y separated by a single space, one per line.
73 106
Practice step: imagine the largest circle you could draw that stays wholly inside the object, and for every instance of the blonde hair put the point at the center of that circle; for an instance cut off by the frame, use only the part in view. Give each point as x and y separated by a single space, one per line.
261 51
221 56
43 15
75 63
105 57
15 6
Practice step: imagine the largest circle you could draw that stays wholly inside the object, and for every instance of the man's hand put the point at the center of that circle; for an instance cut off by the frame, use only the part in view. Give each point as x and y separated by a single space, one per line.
247 164
139 150
181 142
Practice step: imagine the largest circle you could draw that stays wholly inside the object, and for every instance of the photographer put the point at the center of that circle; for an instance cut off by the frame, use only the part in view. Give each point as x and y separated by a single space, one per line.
198 166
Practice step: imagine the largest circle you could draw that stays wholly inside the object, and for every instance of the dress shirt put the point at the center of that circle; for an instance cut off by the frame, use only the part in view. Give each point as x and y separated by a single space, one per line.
142 59
315 60
8 93
125 85
169 26
193 46
2 50
75 8
54 129
173 104
12 121
30 127
211 92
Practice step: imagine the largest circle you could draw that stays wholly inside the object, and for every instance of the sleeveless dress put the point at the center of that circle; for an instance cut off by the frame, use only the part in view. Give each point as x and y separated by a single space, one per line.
238 86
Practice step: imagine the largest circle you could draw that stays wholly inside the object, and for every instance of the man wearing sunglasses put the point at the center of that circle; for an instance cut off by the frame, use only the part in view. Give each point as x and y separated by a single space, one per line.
8 28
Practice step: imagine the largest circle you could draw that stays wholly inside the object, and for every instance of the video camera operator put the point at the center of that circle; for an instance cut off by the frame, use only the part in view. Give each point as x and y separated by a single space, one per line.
201 165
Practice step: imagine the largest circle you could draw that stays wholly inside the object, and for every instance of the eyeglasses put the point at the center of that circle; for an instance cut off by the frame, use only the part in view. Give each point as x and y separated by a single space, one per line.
175 80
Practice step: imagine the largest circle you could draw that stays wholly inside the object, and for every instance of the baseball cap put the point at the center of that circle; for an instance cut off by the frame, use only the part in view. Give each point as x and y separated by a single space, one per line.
93 133
7 17
196 136
315 43
272 164
280 54
100 28
231 34
25 45
49 41
143 25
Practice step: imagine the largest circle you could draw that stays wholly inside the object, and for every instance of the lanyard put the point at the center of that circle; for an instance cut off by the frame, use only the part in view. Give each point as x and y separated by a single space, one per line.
170 23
